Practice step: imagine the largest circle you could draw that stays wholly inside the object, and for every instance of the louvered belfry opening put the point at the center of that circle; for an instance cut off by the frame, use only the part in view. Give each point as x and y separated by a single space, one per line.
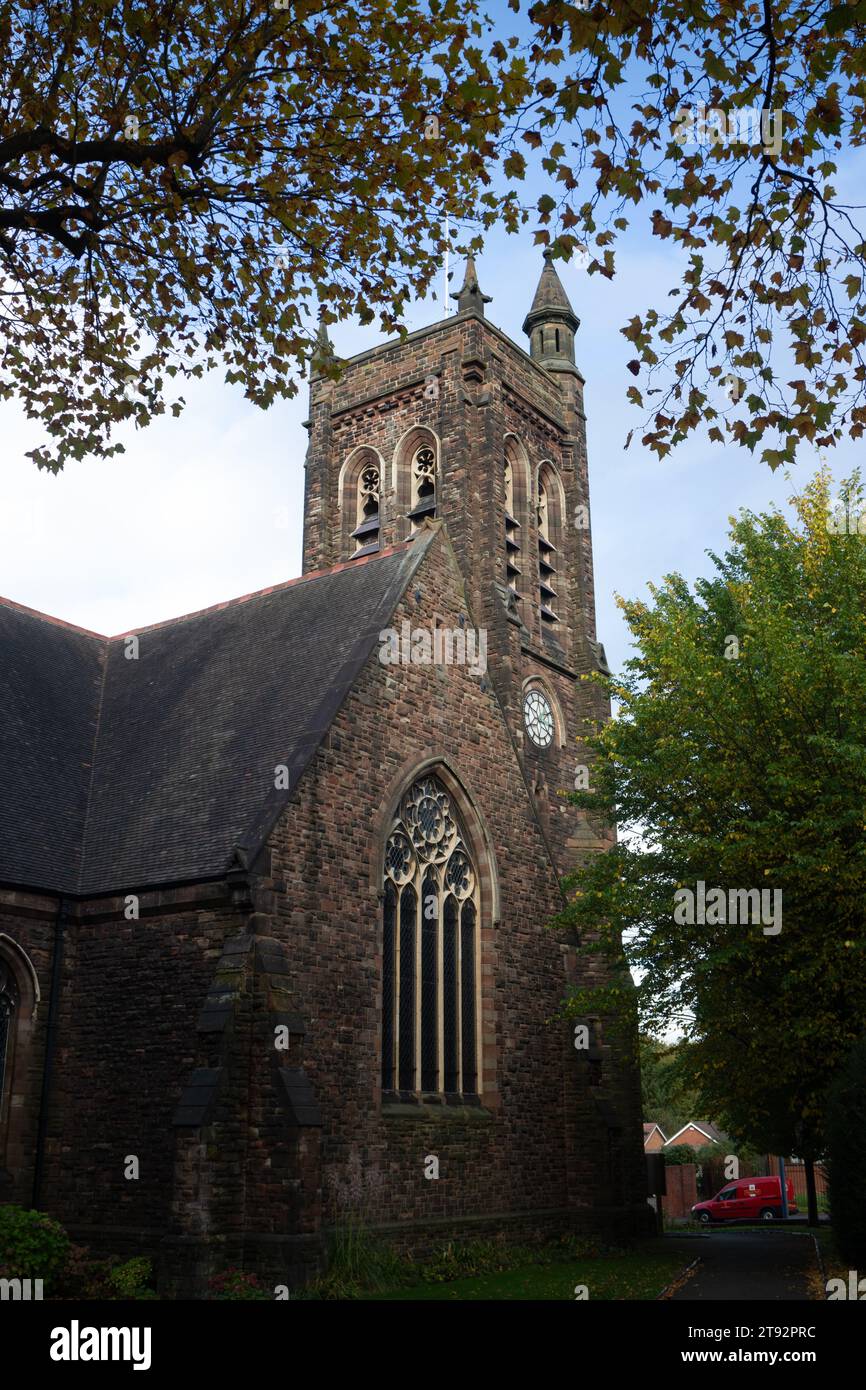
423 485
512 532
366 533
430 968
546 558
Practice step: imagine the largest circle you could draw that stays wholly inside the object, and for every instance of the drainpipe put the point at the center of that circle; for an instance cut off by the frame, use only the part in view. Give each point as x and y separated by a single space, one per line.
50 1046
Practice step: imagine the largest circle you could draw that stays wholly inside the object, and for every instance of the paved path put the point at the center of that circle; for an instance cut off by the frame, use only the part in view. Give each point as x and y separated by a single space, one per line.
746 1266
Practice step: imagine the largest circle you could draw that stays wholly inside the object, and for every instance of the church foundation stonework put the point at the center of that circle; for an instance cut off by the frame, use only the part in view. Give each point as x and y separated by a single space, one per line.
274 891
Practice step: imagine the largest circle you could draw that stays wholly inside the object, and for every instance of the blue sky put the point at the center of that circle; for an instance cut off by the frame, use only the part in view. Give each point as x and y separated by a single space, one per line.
208 506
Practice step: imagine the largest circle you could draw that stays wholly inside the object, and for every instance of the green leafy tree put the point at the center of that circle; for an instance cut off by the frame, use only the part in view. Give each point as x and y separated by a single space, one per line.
658 107
846 1144
183 185
738 760
667 1099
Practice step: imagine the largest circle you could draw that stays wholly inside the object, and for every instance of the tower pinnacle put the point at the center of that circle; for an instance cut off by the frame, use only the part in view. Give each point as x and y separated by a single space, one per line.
324 349
469 297
551 322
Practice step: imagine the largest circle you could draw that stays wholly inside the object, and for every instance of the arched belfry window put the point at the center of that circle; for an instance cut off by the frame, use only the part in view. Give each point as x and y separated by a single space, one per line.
430 948
549 517
512 531
423 485
8 1016
360 496
516 478
366 532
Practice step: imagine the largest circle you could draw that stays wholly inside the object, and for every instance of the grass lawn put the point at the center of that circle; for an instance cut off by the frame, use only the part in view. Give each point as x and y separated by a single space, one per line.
636 1274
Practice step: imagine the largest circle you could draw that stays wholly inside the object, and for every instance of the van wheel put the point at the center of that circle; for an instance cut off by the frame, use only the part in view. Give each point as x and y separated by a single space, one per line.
768 1214
704 1218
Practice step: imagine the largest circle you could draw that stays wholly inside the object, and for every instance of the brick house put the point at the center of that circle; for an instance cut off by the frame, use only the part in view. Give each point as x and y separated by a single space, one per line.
653 1137
275 876
697 1133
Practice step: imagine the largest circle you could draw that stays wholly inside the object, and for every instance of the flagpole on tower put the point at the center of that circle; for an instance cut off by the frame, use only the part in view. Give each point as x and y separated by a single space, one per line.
445 289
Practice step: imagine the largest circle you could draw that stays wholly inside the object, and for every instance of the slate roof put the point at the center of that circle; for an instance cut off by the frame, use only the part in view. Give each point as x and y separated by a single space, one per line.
551 300
117 774
713 1133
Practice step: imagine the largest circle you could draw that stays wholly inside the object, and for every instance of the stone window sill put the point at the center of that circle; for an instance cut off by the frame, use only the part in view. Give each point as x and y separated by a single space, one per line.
406 1105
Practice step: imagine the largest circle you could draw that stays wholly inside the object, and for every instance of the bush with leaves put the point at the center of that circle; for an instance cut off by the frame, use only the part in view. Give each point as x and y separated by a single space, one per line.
132 1279
32 1245
680 1153
234 1285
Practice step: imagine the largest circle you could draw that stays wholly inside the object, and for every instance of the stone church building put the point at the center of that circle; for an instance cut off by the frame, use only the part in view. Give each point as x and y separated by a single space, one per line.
276 877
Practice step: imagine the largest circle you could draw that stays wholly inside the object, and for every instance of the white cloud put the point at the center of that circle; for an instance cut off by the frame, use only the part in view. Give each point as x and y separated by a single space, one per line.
209 506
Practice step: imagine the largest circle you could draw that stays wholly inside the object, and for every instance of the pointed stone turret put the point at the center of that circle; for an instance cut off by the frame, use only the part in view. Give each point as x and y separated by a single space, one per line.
469 297
324 350
551 322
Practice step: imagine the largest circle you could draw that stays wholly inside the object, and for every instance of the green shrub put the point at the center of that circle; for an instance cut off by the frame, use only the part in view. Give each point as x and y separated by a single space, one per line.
361 1264
681 1153
846 1144
84 1277
358 1263
234 1284
130 1280
32 1245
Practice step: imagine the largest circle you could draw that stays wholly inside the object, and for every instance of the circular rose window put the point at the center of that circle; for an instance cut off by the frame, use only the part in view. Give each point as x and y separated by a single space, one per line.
538 718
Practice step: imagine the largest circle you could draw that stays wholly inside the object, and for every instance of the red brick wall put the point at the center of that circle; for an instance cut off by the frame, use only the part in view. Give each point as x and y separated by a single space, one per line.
682 1191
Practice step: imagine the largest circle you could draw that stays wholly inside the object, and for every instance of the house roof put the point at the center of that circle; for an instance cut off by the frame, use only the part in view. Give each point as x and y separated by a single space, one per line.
649 1126
121 773
712 1133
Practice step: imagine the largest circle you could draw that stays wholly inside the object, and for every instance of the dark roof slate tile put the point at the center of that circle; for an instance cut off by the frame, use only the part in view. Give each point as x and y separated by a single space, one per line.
123 773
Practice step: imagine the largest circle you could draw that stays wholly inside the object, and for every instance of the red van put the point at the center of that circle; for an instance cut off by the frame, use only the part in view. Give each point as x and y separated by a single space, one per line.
748 1199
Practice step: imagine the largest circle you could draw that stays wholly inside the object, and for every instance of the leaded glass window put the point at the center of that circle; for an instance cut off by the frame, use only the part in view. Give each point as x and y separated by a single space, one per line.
8 1003
430 960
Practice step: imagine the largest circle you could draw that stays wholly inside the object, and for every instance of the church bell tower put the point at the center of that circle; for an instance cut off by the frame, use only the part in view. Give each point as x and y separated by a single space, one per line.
459 424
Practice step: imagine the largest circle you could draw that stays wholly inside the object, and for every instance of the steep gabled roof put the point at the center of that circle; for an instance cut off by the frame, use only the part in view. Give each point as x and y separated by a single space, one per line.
550 300
649 1126
711 1132
120 773
50 686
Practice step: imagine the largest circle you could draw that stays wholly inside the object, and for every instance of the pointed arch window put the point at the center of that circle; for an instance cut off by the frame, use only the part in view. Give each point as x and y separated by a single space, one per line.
8 1013
430 948
423 485
547 554
366 532
512 530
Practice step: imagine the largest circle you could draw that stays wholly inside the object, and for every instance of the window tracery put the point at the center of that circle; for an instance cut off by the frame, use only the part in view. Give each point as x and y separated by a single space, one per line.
430 946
